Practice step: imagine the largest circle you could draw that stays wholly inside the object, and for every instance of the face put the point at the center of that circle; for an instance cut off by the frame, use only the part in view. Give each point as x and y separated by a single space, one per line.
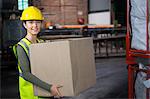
33 27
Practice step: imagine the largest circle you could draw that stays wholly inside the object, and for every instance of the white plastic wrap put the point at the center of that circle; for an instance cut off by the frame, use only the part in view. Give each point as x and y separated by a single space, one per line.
138 24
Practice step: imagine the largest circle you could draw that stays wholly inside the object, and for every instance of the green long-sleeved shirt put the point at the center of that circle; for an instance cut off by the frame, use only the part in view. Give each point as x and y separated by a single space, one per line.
26 70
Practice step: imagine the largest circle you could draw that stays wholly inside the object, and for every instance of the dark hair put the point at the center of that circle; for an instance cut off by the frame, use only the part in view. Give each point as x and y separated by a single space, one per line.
24 21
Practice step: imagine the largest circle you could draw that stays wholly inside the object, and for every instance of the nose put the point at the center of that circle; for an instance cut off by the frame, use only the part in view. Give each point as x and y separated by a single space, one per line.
35 24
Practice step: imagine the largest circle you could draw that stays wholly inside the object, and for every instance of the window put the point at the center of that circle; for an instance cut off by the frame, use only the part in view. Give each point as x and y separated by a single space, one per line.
22 4
99 5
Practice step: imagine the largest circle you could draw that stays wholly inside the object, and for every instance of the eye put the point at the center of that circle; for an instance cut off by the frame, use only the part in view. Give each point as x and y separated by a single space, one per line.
30 22
38 22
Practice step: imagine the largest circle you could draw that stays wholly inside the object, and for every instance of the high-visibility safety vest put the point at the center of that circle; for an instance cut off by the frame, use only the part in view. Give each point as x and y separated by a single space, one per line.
25 87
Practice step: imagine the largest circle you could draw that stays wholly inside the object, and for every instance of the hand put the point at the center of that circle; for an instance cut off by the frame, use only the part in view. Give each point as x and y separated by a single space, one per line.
55 90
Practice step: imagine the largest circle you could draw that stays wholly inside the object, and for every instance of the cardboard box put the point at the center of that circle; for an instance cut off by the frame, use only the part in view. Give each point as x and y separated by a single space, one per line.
68 62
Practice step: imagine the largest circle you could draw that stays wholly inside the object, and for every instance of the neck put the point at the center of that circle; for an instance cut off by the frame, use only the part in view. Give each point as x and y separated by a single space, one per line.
31 37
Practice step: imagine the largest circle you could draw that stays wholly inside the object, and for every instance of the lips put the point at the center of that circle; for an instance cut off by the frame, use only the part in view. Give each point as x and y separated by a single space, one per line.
35 30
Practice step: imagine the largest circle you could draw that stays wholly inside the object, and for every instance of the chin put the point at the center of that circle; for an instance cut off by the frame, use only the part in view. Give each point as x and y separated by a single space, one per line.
35 32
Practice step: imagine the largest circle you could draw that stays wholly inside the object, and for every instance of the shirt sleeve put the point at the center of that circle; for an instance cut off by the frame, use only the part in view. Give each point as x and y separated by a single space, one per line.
23 59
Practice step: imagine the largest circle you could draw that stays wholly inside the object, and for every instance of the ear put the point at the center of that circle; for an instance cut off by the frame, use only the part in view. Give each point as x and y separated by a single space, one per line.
24 24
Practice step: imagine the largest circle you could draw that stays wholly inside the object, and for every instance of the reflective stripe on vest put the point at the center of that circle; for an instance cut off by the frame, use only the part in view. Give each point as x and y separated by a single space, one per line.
24 43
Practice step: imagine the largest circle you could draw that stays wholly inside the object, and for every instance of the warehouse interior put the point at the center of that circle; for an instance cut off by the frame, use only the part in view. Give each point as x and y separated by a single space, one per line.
102 20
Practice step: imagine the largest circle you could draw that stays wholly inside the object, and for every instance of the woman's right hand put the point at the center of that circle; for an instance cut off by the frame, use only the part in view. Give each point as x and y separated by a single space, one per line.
55 90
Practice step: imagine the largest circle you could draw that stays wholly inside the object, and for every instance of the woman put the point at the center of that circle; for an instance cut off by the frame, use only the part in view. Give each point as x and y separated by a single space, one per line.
32 21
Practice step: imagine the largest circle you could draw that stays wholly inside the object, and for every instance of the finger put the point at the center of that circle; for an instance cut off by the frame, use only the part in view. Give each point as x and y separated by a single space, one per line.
58 92
59 86
57 97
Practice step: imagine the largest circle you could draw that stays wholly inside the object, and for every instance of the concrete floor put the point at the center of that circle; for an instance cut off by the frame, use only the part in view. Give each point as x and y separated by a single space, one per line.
111 81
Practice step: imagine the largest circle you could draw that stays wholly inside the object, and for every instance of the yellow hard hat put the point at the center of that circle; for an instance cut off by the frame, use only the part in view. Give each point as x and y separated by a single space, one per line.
31 13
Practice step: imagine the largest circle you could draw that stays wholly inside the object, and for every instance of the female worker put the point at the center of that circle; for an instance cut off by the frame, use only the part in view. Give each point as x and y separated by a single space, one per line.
32 21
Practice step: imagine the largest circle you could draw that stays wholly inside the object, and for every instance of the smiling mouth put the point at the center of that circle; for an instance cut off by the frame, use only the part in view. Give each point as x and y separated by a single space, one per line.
34 29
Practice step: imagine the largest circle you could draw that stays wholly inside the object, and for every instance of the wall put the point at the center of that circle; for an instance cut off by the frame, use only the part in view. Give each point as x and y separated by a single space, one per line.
63 11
